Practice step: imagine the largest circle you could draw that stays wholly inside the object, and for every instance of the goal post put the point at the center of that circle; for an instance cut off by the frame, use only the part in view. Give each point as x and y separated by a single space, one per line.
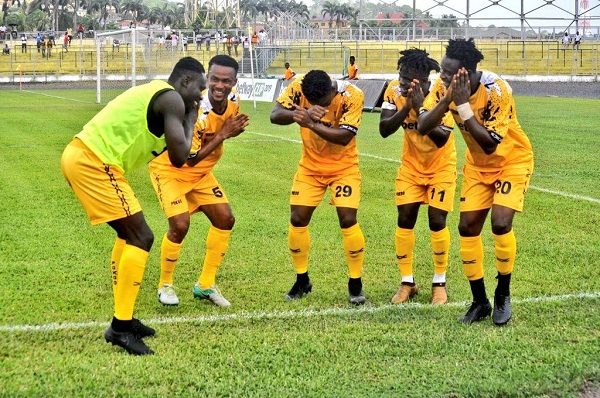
130 57
115 63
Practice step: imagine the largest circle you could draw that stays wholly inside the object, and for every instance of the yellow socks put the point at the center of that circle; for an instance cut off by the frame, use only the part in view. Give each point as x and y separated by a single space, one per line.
471 252
115 259
217 242
354 247
440 243
299 244
506 250
131 272
405 244
169 254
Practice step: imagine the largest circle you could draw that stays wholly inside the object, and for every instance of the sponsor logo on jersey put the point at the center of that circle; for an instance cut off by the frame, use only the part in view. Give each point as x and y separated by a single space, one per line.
409 126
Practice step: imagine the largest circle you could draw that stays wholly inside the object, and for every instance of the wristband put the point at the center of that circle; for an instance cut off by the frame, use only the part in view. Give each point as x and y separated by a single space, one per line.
464 111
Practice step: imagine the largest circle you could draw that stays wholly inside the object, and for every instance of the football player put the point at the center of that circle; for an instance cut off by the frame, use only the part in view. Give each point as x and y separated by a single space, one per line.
193 188
329 113
427 173
499 163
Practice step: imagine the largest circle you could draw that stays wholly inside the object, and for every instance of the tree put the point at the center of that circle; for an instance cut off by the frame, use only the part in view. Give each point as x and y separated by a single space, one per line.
329 8
36 20
136 8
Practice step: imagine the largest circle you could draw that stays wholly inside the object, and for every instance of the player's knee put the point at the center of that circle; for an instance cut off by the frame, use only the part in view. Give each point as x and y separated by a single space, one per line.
178 230
467 229
347 222
225 223
143 239
501 227
298 219
437 224
406 222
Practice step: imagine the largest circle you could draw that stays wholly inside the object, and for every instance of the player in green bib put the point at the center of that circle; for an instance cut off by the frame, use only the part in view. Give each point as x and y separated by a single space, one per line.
130 131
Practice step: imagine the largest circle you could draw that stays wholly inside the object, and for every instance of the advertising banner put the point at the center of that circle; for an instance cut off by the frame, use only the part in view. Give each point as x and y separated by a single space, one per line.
263 89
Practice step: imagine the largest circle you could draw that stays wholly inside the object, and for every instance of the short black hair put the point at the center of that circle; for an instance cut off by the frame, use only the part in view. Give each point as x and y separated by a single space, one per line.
224 60
316 85
464 50
186 64
415 59
352 57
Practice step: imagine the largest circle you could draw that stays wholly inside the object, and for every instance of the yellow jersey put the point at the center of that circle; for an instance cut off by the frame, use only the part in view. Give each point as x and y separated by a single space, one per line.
207 126
420 156
319 156
494 108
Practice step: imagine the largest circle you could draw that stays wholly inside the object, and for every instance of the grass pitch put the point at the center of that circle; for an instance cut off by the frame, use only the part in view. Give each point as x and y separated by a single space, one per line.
56 296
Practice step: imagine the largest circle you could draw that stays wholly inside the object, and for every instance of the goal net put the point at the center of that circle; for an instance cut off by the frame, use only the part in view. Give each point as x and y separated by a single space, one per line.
131 57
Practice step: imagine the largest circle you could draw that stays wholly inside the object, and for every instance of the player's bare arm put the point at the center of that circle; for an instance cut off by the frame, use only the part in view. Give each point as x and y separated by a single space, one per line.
232 127
178 125
461 93
281 115
440 135
390 121
429 120
337 136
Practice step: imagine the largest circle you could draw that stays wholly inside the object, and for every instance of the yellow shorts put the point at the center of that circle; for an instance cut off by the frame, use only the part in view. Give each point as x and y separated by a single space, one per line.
436 191
308 190
101 188
480 190
178 196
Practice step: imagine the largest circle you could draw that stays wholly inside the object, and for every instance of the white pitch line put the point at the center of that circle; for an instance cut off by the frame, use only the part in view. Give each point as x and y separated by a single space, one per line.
535 188
306 313
56 96
567 195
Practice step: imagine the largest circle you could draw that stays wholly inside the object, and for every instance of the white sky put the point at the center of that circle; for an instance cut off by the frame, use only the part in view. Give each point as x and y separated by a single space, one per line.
536 11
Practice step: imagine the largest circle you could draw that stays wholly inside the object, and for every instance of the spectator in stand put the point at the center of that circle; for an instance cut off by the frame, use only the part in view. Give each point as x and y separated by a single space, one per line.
66 42
80 31
23 43
49 46
229 42
246 45
116 44
2 32
566 40
262 37
576 41
6 49
43 47
255 39
207 40
236 43
224 42
70 34
38 41
184 42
